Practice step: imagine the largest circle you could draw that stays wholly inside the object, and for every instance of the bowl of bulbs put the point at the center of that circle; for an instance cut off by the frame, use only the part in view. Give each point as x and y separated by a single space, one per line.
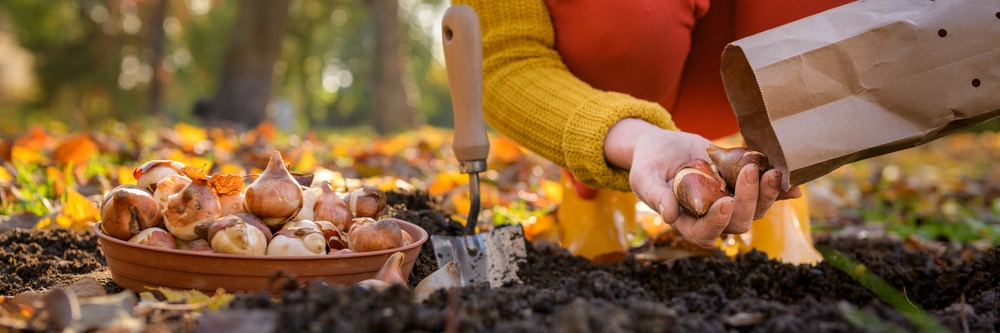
180 228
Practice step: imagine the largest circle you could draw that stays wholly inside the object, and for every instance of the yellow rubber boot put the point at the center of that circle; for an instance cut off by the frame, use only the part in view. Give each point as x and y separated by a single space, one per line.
594 221
783 233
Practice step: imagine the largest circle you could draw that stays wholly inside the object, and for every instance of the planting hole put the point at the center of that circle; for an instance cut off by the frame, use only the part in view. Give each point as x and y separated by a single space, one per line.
975 83
942 32
447 34
998 15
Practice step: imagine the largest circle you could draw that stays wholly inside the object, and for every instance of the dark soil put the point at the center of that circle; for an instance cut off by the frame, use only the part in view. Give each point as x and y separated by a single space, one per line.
562 293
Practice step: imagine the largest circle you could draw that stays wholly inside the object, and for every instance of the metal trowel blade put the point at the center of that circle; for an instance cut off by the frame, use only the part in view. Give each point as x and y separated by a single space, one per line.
501 252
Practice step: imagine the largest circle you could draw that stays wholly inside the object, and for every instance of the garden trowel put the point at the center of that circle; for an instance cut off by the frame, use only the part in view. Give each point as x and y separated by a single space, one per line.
493 256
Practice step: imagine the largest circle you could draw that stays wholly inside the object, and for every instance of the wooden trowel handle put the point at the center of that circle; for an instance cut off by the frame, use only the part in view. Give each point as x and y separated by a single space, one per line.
463 56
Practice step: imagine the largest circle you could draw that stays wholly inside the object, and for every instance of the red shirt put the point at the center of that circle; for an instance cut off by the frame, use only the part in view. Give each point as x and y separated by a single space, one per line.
655 51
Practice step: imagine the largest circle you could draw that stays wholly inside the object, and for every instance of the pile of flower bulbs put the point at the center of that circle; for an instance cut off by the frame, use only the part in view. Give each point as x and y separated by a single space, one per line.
179 207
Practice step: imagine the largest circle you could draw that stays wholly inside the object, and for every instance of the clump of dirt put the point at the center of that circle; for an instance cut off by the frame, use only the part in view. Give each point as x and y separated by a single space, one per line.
563 293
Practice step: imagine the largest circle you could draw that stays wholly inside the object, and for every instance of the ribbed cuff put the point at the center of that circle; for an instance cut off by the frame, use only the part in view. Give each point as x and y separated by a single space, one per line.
585 130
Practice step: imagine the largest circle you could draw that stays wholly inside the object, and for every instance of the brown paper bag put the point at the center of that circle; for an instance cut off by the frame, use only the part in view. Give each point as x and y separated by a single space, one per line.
864 79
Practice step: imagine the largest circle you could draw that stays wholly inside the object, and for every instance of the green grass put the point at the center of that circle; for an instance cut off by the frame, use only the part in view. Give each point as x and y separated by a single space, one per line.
883 290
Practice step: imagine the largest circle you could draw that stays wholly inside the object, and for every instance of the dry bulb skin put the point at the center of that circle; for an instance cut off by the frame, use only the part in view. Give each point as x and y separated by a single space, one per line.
297 242
156 237
330 207
274 196
148 174
697 187
197 245
193 205
444 278
127 210
368 201
390 274
232 235
335 239
730 161
366 235
169 185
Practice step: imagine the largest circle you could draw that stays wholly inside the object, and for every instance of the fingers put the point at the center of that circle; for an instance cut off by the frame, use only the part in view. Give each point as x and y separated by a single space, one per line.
747 195
770 188
658 195
703 232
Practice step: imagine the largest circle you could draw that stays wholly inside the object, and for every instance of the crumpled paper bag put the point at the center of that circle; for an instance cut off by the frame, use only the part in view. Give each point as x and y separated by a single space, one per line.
864 79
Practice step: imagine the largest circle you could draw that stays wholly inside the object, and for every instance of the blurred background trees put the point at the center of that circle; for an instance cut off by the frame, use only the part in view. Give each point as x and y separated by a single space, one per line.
297 63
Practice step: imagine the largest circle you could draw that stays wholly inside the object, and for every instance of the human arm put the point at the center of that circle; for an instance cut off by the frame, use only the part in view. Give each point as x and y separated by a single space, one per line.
531 96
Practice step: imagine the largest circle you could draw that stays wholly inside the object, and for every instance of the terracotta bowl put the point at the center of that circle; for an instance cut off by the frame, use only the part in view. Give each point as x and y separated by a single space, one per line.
136 266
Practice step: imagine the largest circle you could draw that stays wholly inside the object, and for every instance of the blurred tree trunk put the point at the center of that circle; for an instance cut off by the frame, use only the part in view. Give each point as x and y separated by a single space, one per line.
156 34
254 47
389 106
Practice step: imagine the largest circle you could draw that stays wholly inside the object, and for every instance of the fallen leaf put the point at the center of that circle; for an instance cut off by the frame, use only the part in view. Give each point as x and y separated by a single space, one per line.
247 321
75 214
191 299
505 150
76 149
109 313
190 135
87 288
226 184
25 155
23 220
63 309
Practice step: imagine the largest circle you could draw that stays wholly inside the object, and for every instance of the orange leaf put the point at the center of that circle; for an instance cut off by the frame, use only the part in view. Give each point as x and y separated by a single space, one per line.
125 175
307 162
76 149
36 139
227 184
25 155
190 135
5 176
446 181
506 150
79 208
195 173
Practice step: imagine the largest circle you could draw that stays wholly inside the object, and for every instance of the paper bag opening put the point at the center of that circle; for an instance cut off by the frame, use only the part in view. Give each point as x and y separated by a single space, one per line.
862 80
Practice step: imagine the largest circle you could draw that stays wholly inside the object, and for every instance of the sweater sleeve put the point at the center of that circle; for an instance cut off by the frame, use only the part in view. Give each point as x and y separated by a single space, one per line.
530 96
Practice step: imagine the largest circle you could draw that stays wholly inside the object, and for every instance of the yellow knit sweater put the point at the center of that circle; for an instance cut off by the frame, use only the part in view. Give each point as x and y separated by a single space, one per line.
530 96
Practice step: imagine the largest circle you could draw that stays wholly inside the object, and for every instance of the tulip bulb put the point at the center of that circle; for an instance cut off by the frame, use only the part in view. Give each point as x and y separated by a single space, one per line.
366 235
156 237
274 196
127 210
368 201
335 239
195 204
297 242
232 204
232 235
148 174
390 274
407 239
444 278
730 161
169 185
309 198
697 187
330 207
197 245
